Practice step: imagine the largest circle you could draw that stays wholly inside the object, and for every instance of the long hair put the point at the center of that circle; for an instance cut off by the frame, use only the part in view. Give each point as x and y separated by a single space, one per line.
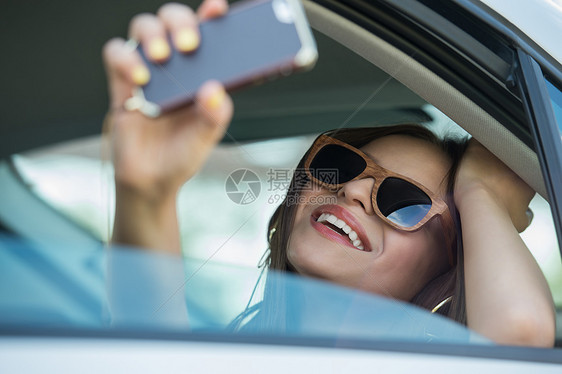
443 286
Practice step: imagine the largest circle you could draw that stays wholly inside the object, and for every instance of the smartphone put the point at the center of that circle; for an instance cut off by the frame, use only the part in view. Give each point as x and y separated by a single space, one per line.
254 41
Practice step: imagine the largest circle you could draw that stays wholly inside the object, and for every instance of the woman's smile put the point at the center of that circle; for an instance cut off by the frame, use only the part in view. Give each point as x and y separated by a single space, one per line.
339 225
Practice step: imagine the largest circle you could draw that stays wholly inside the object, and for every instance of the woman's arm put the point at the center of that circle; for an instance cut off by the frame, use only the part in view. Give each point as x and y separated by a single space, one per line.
153 158
507 297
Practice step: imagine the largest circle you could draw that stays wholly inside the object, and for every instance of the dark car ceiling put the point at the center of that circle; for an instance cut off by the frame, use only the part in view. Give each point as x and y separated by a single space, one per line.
54 89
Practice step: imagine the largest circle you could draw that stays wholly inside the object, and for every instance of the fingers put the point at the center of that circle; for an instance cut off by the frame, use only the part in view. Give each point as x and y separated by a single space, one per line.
179 21
124 68
151 33
215 107
182 24
212 9
124 65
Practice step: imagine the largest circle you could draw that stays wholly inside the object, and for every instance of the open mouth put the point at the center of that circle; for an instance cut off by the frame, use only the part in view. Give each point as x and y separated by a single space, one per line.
340 227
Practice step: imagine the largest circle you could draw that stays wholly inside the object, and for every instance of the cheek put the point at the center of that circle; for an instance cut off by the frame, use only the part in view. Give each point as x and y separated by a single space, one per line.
295 242
428 255
303 252
410 261
307 251
300 236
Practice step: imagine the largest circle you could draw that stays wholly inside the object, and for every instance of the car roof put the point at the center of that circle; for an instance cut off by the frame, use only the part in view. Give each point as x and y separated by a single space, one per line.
64 95
57 90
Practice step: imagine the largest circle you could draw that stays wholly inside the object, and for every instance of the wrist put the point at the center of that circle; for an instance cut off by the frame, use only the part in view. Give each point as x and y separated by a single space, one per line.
475 194
154 196
146 221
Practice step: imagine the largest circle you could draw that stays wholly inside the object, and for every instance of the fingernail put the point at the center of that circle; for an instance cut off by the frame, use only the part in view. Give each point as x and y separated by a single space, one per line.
216 99
187 39
158 49
140 75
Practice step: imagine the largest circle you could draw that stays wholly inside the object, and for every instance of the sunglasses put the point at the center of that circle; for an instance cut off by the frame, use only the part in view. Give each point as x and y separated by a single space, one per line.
399 201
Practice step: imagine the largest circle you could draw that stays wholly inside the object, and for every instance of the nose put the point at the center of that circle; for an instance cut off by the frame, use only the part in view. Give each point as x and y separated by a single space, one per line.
359 192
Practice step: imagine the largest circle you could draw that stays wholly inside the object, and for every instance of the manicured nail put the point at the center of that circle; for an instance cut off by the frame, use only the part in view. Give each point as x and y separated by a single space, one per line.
187 39
216 99
158 49
140 75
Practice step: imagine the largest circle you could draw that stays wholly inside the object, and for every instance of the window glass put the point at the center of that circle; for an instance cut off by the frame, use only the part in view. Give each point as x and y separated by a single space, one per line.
540 238
224 212
556 101
226 229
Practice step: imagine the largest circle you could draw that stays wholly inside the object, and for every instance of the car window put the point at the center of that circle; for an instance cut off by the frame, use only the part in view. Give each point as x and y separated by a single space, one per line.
232 227
225 237
556 101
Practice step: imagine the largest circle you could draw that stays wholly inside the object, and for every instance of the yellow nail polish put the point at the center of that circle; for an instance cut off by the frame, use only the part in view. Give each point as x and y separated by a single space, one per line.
140 75
187 40
216 99
158 49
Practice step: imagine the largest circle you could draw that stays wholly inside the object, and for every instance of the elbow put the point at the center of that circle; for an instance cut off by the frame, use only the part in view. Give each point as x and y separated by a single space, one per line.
529 328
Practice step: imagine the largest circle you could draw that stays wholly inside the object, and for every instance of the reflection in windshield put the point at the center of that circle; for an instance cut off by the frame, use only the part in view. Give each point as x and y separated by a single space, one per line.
71 285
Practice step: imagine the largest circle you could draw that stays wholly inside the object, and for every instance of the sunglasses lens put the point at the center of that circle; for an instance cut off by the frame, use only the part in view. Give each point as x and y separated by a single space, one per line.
402 202
334 164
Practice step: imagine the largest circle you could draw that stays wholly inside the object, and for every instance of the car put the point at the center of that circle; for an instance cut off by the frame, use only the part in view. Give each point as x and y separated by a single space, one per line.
68 303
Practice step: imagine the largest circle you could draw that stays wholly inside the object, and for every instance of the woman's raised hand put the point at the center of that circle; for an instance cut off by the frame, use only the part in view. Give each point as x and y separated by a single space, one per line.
481 171
154 157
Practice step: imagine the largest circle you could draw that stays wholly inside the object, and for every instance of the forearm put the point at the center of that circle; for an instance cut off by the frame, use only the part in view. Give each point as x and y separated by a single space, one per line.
507 297
146 222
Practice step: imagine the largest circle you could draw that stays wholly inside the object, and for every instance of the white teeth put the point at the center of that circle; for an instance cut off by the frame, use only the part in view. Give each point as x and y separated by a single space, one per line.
343 226
339 223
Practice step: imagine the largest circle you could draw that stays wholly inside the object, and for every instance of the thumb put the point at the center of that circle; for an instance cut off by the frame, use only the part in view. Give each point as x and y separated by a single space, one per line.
215 108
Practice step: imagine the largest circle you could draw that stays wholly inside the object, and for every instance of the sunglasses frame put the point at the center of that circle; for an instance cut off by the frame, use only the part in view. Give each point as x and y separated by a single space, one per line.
439 207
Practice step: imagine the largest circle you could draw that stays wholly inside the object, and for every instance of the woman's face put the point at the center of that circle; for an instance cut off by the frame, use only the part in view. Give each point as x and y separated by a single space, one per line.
393 263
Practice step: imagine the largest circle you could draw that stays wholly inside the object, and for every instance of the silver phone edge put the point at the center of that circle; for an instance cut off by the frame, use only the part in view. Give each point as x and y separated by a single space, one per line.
308 54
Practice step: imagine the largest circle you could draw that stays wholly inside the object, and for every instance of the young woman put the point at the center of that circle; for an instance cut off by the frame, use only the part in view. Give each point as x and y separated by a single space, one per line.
395 227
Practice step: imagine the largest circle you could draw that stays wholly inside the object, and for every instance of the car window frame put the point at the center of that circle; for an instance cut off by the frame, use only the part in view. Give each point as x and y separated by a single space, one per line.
531 83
